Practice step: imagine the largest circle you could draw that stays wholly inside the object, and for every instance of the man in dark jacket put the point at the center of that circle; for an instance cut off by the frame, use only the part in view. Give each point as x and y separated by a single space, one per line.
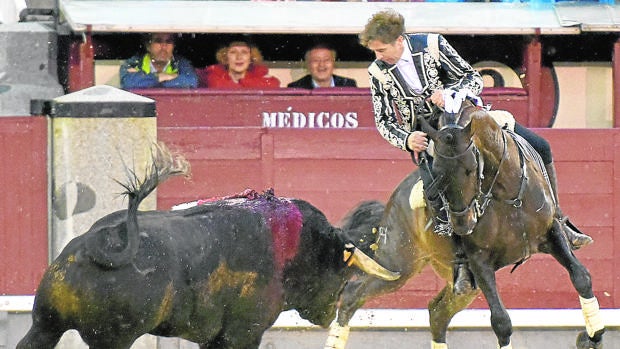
320 61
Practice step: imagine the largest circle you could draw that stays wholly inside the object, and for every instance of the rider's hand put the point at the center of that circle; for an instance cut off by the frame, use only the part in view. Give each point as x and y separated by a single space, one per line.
437 98
417 142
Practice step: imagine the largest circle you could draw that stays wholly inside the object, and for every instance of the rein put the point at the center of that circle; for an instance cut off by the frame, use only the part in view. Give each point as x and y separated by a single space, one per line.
481 201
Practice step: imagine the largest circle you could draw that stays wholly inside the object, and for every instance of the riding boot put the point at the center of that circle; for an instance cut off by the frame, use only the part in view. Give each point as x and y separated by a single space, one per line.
440 215
441 223
463 277
576 238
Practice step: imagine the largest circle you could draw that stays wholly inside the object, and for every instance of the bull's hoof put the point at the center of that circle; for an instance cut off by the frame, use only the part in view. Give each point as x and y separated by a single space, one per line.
584 342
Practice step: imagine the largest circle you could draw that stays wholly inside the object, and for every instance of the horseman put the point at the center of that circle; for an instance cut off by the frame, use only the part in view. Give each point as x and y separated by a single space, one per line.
412 75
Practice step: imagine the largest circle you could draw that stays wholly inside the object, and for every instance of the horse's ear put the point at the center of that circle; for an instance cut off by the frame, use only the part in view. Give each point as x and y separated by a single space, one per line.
467 128
427 128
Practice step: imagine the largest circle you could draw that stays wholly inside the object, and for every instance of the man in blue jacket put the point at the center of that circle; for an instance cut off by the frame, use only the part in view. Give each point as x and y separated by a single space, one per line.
158 67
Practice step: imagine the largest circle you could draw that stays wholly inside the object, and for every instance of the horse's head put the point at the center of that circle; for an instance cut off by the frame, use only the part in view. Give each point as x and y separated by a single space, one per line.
460 118
457 162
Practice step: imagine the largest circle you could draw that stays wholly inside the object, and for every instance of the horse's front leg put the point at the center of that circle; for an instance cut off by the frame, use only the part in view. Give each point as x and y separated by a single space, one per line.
500 319
582 281
442 309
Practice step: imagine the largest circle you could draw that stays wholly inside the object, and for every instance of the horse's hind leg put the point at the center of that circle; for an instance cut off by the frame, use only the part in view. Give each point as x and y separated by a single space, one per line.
500 319
441 310
580 277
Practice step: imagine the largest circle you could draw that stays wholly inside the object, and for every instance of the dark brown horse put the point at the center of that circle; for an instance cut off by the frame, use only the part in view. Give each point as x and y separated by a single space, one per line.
501 206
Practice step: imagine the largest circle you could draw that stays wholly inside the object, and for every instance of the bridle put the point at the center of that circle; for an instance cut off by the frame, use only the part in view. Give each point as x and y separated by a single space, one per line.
481 200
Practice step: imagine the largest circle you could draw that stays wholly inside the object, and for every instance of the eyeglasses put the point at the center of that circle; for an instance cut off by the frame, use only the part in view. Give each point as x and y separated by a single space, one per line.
162 41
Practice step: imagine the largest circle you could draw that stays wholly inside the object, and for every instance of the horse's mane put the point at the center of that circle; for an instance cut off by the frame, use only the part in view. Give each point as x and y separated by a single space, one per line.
485 131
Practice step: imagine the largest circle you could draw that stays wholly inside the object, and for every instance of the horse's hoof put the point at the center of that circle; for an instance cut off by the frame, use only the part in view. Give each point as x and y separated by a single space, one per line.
584 342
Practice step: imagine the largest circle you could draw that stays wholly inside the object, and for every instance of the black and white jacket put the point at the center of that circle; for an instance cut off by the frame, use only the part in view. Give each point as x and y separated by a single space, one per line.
438 66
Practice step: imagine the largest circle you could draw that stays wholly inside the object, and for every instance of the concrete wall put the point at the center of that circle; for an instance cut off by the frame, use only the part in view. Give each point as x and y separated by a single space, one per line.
381 328
28 67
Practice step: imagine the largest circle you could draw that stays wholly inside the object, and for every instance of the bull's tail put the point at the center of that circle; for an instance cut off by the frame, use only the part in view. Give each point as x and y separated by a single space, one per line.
362 222
113 248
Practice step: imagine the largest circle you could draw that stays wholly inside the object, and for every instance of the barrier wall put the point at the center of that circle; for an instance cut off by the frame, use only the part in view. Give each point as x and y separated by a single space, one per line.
23 203
294 108
336 168
333 168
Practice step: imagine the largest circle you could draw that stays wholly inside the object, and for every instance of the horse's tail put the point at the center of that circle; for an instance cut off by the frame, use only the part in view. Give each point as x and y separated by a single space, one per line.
361 224
113 248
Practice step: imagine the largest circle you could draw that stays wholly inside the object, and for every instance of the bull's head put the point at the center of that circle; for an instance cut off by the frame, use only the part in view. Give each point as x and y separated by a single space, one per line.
315 278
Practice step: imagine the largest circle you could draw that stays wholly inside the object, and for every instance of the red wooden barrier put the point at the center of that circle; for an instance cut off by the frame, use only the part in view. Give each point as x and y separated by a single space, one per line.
23 203
294 108
336 168
333 168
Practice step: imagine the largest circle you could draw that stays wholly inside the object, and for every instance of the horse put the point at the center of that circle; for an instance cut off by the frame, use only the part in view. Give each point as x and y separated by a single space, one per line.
488 177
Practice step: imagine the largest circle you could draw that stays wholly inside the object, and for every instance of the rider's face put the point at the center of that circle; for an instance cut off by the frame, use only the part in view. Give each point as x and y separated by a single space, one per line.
388 53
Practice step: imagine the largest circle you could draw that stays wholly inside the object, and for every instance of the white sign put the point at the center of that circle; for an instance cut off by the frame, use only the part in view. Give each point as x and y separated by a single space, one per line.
318 119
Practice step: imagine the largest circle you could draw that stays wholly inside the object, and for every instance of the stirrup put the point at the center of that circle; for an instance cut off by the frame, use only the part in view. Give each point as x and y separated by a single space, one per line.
463 279
575 237
442 228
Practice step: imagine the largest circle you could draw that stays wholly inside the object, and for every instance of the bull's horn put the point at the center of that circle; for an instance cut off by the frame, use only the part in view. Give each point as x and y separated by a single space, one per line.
354 256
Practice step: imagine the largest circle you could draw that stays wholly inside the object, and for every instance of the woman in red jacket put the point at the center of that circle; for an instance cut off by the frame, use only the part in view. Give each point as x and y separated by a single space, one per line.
240 66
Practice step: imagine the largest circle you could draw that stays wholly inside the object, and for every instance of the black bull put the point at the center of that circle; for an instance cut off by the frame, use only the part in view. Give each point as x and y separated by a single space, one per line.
217 274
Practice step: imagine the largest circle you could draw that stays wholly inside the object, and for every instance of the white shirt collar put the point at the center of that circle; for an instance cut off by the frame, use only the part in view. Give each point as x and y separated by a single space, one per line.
331 84
407 69
406 56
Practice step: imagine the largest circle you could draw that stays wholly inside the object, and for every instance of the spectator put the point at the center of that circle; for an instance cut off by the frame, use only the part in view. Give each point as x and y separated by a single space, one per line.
320 61
239 66
158 67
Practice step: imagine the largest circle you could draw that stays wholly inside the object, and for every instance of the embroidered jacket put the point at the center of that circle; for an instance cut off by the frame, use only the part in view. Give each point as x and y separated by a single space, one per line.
438 66
144 78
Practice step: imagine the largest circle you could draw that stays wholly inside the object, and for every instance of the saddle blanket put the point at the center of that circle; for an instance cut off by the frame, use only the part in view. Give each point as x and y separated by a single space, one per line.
416 198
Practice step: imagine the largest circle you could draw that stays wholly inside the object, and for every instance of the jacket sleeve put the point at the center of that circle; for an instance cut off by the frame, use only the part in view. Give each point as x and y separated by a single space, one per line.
187 77
139 79
385 118
459 74
303 82
344 81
